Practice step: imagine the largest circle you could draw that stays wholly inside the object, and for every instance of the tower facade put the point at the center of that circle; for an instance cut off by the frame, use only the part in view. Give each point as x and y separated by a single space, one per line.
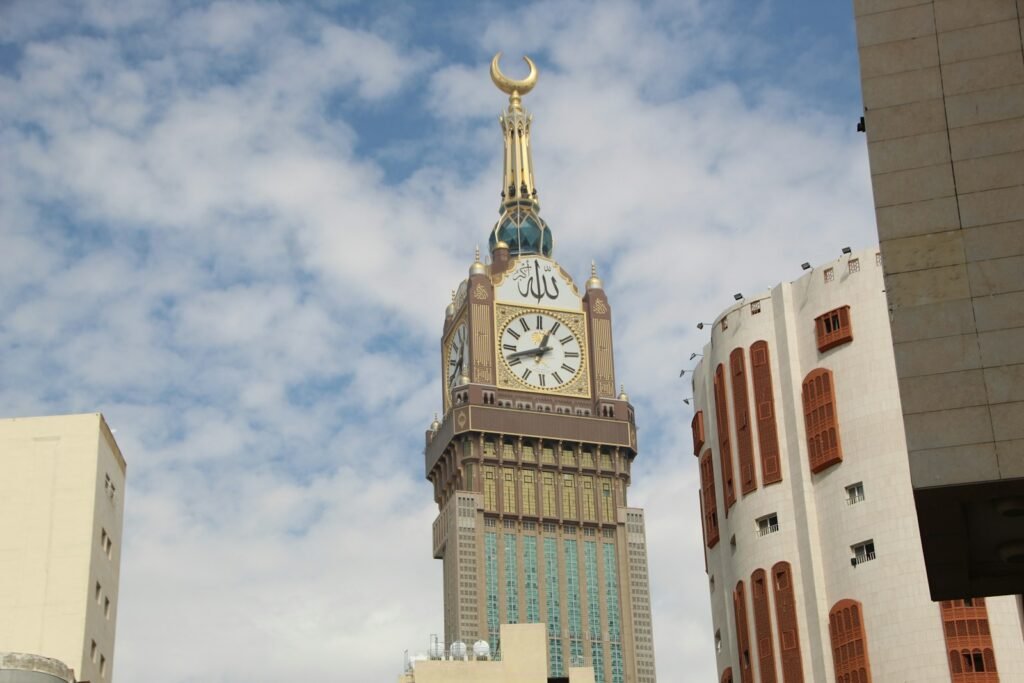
814 558
61 510
531 462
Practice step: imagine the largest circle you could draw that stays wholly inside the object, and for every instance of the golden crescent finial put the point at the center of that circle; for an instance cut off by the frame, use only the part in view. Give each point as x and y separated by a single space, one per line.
510 86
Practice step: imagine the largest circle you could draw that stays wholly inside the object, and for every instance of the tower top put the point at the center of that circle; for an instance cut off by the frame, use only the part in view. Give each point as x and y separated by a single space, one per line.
520 227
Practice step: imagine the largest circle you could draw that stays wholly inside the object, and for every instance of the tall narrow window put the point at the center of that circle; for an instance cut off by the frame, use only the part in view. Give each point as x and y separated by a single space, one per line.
824 448
833 328
763 626
707 488
764 407
508 491
785 620
724 450
969 641
589 507
739 605
529 489
607 501
548 480
697 425
849 642
490 489
568 496
727 675
741 412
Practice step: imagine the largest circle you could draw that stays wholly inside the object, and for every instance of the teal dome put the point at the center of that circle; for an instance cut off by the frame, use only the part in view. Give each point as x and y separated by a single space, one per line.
524 232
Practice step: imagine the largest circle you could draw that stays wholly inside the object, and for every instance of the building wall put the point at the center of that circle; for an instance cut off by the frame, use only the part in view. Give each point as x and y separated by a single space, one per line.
61 499
817 525
943 88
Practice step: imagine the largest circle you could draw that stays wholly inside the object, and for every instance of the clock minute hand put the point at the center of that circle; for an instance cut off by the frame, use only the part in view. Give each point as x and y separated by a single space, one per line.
539 351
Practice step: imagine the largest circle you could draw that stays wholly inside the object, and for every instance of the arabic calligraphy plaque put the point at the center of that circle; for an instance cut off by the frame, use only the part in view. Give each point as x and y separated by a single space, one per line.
538 281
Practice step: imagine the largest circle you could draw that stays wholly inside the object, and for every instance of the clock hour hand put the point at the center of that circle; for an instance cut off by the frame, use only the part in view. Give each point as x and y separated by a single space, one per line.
539 351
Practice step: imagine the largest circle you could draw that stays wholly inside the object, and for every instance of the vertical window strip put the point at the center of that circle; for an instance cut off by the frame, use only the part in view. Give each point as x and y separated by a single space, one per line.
511 580
508 493
491 587
764 409
554 608
530 579
763 626
821 424
594 609
529 493
849 642
739 604
607 500
569 496
490 489
611 588
708 499
573 610
724 447
786 621
589 510
741 414
548 480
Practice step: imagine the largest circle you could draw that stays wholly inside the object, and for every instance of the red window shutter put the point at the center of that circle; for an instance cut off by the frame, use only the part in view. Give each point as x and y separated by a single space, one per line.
697 425
820 422
969 641
764 397
724 448
785 618
828 333
739 603
763 626
707 490
741 409
727 675
849 642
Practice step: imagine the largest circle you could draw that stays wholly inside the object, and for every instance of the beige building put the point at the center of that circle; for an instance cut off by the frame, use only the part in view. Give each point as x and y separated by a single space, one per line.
532 460
16 667
943 88
524 660
813 552
61 509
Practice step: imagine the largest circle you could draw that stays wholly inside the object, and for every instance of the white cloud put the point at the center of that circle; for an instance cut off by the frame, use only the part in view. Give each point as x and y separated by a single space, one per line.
199 241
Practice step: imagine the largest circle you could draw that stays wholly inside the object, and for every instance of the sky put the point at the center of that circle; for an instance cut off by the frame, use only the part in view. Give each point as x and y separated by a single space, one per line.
233 229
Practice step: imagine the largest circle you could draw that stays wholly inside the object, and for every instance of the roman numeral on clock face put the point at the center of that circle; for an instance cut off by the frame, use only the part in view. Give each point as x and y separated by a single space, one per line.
526 373
554 328
515 361
540 322
567 369
566 339
572 354
513 333
509 347
526 325
541 378
558 378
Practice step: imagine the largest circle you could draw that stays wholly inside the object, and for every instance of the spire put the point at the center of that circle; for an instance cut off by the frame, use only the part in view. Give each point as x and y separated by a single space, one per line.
594 282
519 227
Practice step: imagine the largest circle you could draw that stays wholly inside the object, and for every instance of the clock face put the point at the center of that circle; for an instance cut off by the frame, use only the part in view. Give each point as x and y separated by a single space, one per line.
457 356
540 350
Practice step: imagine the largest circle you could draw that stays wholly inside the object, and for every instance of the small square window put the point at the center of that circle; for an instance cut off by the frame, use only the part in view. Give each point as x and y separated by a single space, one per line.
863 552
718 641
98 591
854 265
92 652
103 666
855 493
106 607
755 307
830 275
725 323
768 524
878 258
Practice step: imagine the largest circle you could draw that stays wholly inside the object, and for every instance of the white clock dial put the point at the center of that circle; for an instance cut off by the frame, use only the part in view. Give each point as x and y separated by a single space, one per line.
540 350
456 357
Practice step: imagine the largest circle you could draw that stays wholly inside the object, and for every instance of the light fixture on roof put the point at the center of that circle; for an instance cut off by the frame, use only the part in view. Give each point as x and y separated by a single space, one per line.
805 265
695 354
737 296
847 250
687 400
700 326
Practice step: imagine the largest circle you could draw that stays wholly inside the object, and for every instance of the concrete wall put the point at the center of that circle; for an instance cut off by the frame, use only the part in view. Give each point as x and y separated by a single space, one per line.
57 508
943 88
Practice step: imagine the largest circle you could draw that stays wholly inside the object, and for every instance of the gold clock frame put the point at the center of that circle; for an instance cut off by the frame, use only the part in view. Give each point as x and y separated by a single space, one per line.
463 319
579 385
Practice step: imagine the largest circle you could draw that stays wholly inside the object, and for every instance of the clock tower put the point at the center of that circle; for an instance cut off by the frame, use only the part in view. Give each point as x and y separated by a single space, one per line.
531 463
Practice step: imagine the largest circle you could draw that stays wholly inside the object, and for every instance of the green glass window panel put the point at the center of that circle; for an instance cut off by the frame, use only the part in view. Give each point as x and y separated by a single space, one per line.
593 609
611 586
511 580
554 608
491 587
531 584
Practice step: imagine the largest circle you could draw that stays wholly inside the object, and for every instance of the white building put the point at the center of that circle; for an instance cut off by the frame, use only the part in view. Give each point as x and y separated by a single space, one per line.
61 510
807 502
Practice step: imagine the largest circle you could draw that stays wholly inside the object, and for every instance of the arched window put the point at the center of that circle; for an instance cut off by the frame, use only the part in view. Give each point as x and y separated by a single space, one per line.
849 642
823 445
707 489
741 412
969 641
724 446
727 675
764 410
697 425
